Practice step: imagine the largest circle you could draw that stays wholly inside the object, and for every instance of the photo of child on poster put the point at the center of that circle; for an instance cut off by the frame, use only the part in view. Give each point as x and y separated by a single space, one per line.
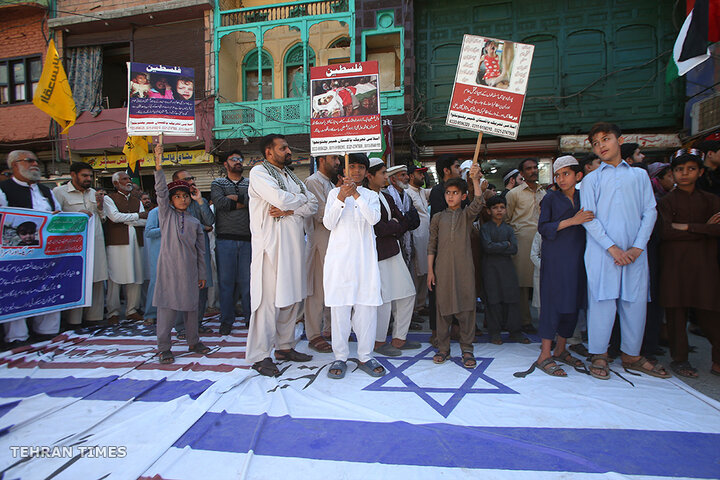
345 97
21 230
496 63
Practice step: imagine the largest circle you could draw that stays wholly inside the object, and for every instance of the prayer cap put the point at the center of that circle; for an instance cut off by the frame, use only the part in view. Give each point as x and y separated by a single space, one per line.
465 168
510 174
375 161
178 185
564 161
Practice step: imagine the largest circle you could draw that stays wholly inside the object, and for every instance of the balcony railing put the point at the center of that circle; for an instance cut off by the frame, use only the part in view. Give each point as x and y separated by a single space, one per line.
279 12
287 116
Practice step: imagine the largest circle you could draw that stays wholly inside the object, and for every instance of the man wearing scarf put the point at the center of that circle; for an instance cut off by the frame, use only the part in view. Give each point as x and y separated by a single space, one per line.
279 204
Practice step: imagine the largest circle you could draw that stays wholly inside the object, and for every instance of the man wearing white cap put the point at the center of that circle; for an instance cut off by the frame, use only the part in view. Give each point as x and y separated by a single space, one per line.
420 236
511 180
397 287
398 178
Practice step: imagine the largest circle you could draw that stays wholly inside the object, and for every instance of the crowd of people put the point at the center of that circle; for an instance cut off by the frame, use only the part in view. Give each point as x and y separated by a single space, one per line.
627 256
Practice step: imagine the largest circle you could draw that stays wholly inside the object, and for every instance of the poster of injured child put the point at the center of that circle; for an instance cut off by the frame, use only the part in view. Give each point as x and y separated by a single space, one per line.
490 85
345 108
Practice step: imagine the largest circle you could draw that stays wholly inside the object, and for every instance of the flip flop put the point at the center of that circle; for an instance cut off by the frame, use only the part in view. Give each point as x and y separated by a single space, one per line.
370 366
337 365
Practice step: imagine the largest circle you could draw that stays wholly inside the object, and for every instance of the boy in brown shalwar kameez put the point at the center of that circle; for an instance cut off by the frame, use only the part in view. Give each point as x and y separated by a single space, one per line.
453 272
690 276
181 263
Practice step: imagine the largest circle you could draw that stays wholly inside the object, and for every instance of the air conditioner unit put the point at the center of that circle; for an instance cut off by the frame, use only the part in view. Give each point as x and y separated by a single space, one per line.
705 115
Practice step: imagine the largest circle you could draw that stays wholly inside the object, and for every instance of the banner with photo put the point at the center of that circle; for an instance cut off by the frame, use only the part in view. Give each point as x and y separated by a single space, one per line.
490 85
46 262
345 108
161 99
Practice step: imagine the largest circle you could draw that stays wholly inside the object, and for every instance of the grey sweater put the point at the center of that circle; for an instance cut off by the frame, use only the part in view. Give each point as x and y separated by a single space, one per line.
231 223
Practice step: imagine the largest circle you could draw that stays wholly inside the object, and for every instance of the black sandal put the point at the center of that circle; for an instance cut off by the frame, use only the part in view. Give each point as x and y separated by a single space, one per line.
292 356
468 360
167 357
200 348
440 357
266 367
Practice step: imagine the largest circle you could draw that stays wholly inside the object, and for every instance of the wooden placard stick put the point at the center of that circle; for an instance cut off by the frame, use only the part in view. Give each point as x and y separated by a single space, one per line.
347 164
477 147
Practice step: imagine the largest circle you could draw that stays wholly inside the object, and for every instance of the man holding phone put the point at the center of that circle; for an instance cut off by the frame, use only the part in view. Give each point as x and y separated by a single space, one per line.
232 245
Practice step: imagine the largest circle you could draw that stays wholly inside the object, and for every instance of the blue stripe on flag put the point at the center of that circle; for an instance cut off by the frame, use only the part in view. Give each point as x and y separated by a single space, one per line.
103 388
630 452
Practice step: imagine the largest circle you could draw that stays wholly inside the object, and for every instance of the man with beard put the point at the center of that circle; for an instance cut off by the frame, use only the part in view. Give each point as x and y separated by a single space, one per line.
126 218
199 209
78 196
23 190
147 201
279 204
523 213
319 184
420 235
398 180
233 250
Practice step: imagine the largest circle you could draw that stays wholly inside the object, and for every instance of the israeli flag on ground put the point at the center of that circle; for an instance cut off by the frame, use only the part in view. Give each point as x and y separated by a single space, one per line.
99 405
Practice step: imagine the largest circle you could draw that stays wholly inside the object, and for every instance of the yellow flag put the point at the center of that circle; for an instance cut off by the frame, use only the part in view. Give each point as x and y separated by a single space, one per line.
135 149
53 95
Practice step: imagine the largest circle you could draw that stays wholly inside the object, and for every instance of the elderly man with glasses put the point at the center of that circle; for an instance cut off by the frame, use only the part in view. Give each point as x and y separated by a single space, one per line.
23 190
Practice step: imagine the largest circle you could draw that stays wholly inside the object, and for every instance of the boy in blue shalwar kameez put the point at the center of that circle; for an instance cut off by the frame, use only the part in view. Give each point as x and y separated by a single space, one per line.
621 197
562 269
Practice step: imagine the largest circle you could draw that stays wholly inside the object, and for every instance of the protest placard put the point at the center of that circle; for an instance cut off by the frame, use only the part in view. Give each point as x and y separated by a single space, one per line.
490 84
46 262
345 108
161 99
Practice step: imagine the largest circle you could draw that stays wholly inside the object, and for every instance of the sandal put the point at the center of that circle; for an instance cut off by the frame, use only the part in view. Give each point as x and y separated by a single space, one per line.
594 366
266 367
292 356
468 360
371 368
518 338
566 358
337 365
181 336
551 368
200 348
204 329
684 369
638 365
166 357
440 357
496 339
320 345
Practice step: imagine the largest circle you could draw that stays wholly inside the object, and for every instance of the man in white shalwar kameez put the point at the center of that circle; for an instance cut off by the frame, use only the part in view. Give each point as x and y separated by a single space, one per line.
319 183
279 204
124 213
351 276
420 236
397 287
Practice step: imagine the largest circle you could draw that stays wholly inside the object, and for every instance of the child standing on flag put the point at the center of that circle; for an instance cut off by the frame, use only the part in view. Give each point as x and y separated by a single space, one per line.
181 263
351 276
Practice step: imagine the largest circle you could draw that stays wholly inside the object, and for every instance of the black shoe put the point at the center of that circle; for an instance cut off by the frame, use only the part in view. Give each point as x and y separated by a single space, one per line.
225 329
15 344
529 329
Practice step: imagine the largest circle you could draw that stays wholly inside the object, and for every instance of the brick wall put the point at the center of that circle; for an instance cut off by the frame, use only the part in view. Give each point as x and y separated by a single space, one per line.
21 36
95 6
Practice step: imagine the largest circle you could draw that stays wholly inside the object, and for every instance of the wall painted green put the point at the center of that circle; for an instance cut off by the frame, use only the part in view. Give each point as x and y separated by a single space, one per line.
594 60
